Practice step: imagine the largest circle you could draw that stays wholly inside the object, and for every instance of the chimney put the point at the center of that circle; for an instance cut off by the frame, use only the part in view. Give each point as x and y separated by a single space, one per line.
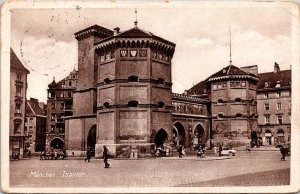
185 92
276 67
116 30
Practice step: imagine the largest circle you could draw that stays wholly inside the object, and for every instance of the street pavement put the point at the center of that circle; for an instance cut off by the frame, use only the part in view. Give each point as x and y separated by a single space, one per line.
244 169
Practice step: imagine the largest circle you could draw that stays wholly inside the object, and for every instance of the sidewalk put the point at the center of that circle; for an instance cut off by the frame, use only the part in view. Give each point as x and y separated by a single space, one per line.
208 158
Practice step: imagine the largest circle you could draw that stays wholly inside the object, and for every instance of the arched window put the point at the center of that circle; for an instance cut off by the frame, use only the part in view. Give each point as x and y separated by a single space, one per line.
238 100
238 115
161 104
106 105
133 78
106 80
133 103
161 80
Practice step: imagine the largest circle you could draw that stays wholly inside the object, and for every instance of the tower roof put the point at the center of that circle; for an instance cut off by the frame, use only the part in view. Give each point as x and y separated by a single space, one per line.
136 32
93 30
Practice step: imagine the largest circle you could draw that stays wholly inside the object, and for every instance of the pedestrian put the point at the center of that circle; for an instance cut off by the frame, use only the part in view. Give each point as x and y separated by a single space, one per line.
105 156
248 149
283 152
220 150
29 153
42 155
183 151
200 152
180 151
216 151
55 154
88 155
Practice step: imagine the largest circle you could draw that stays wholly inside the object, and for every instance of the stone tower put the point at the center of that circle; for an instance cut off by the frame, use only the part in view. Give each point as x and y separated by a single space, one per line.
233 104
134 92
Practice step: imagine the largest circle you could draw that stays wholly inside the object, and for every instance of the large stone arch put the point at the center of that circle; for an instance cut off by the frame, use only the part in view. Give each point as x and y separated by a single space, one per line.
57 143
179 134
199 134
91 139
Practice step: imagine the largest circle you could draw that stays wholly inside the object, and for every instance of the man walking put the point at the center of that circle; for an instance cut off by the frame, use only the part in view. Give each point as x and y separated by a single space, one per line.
105 156
88 155
283 152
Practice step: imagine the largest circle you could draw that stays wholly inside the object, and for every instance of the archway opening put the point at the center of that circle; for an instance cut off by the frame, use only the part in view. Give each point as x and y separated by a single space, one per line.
91 140
199 135
57 143
160 138
178 134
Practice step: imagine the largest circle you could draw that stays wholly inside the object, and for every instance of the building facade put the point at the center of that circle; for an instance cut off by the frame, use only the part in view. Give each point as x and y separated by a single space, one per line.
18 88
274 106
59 106
35 125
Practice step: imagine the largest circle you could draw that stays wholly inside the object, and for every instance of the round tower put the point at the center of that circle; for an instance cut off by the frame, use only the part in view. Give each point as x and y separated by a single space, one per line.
134 92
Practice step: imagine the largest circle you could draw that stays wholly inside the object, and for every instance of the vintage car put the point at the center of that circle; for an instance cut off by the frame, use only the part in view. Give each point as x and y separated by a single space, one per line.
228 152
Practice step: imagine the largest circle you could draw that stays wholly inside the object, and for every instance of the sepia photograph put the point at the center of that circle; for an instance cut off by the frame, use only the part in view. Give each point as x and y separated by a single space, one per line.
150 96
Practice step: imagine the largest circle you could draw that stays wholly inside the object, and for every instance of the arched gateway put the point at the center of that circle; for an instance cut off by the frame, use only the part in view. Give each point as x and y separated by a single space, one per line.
91 139
160 138
178 134
57 143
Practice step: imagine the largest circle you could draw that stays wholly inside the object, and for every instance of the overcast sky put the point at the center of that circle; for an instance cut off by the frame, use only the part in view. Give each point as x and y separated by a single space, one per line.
43 39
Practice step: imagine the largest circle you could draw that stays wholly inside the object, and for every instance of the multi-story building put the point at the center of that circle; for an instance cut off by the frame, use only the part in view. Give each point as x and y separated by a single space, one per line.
18 88
35 125
232 95
274 106
59 105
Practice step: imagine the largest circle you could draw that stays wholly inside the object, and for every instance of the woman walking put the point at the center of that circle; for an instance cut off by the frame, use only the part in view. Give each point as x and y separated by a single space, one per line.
105 156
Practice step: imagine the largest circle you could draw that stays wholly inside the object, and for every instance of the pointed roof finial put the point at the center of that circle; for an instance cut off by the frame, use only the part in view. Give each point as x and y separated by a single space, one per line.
135 22
230 62
54 78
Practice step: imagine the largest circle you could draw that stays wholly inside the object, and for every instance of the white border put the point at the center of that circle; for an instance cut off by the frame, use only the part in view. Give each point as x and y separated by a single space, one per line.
5 61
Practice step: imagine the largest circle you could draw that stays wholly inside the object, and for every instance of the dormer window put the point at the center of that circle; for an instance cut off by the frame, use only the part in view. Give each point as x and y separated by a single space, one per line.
278 94
133 78
278 84
267 84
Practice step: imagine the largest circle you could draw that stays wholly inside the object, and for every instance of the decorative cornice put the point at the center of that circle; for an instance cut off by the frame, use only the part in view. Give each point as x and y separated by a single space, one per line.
176 96
229 77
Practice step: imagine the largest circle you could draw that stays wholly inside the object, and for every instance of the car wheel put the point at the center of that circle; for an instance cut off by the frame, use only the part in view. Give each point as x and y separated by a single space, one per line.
230 154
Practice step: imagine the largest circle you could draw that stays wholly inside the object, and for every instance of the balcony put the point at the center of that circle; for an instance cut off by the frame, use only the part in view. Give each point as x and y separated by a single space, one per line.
68 108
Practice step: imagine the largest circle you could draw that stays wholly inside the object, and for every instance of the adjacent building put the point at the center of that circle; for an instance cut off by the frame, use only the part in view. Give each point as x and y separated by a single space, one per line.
59 106
274 106
35 125
18 88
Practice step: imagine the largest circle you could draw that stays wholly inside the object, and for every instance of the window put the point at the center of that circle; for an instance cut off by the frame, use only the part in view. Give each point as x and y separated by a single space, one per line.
279 119
69 94
267 84
215 86
30 120
107 80
17 126
267 107
161 80
238 115
220 101
133 103
18 108
19 92
232 84
238 100
106 105
53 105
30 128
52 128
278 84
19 77
278 106
62 95
278 94
62 105
52 116
266 95
267 119
73 76
161 104
133 78
70 83
243 84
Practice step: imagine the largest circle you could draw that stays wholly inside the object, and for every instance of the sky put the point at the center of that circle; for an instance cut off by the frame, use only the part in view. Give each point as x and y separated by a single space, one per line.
44 41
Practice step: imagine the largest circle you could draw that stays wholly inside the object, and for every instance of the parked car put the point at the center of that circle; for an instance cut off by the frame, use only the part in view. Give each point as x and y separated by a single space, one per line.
228 152
279 145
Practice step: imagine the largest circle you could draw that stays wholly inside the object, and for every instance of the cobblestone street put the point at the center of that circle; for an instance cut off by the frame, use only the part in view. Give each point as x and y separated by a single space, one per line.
256 168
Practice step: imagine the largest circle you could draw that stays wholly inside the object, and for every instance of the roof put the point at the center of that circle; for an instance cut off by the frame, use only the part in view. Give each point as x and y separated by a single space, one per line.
199 88
230 70
32 108
16 63
283 76
95 29
137 33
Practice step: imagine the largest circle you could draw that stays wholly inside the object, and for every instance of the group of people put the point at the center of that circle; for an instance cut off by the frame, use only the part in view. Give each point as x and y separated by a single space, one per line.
106 154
